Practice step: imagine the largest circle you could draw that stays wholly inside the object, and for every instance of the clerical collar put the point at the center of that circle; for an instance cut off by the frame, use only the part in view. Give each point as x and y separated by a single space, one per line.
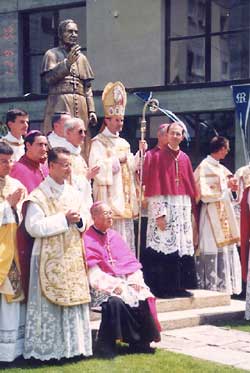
108 133
57 136
213 160
13 139
76 150
98 231
175 152
55 185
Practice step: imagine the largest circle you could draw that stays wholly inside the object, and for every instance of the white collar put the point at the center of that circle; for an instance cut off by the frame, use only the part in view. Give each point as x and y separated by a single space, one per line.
57 136
55 186
106 132
210 159
12 138
73 149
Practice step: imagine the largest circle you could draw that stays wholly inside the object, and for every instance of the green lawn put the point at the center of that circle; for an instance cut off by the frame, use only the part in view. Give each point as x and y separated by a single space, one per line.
161 361
242 325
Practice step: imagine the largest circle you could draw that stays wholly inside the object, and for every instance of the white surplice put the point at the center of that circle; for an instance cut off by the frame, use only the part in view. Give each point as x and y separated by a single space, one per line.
55 140
17 146
103 285
179 234
218 266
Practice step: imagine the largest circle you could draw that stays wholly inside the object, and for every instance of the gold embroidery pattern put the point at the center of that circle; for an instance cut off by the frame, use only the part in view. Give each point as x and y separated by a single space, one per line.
11 269
62 264
15 280
126 176
223 220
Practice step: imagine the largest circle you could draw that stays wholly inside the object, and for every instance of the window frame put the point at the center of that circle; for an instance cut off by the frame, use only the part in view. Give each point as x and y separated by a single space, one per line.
207 35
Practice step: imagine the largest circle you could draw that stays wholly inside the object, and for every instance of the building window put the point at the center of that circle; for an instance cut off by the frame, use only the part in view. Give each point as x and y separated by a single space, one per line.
207 41
40 34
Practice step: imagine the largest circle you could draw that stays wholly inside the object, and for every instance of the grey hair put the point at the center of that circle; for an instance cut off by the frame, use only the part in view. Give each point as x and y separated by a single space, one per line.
96 207
70 124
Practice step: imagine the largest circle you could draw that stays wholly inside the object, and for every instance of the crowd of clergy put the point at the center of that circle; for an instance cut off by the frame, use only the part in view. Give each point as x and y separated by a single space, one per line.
67 232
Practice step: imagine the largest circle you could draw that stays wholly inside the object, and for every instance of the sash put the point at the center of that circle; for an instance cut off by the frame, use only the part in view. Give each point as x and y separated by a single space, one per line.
212 181
223 222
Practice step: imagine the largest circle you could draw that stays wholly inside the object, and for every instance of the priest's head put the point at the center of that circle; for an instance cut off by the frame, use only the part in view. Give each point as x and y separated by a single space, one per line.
75 131
162 135
59 163
5 159
219 147
114 99
58 120
102 216
114 124
36 146
17 121
175 135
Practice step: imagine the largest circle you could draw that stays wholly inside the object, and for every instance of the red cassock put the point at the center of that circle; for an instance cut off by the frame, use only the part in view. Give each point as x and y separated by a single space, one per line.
244 233
160 176
169 172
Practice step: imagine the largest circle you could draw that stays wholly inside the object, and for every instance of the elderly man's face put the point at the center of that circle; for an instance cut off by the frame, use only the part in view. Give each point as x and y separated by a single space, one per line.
76 135
103 218
70 34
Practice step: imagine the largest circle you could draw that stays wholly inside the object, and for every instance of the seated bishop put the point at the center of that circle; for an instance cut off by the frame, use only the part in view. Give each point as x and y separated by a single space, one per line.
117 285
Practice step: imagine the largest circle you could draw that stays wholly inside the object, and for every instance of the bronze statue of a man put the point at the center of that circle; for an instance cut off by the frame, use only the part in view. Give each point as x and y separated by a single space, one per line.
68 75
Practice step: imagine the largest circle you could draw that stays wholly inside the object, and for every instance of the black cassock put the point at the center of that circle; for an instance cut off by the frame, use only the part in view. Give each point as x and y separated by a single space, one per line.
133 325
168 275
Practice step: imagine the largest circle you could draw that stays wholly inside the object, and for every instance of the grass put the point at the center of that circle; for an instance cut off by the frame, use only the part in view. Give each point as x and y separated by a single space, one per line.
161 361
242 325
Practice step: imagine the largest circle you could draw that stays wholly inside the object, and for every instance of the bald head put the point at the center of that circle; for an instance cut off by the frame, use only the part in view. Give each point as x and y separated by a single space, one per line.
102 215
97 207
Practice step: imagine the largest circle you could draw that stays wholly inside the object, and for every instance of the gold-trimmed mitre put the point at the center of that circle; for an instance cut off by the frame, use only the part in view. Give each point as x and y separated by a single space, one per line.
114 99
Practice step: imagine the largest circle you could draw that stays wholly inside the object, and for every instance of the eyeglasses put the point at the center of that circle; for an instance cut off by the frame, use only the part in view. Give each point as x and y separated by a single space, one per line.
82 132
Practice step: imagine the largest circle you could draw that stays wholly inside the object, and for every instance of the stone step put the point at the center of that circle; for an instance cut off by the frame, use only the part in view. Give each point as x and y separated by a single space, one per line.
200 299
199 316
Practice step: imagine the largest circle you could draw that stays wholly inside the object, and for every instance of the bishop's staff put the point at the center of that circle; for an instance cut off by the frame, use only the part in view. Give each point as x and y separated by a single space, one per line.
153 106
